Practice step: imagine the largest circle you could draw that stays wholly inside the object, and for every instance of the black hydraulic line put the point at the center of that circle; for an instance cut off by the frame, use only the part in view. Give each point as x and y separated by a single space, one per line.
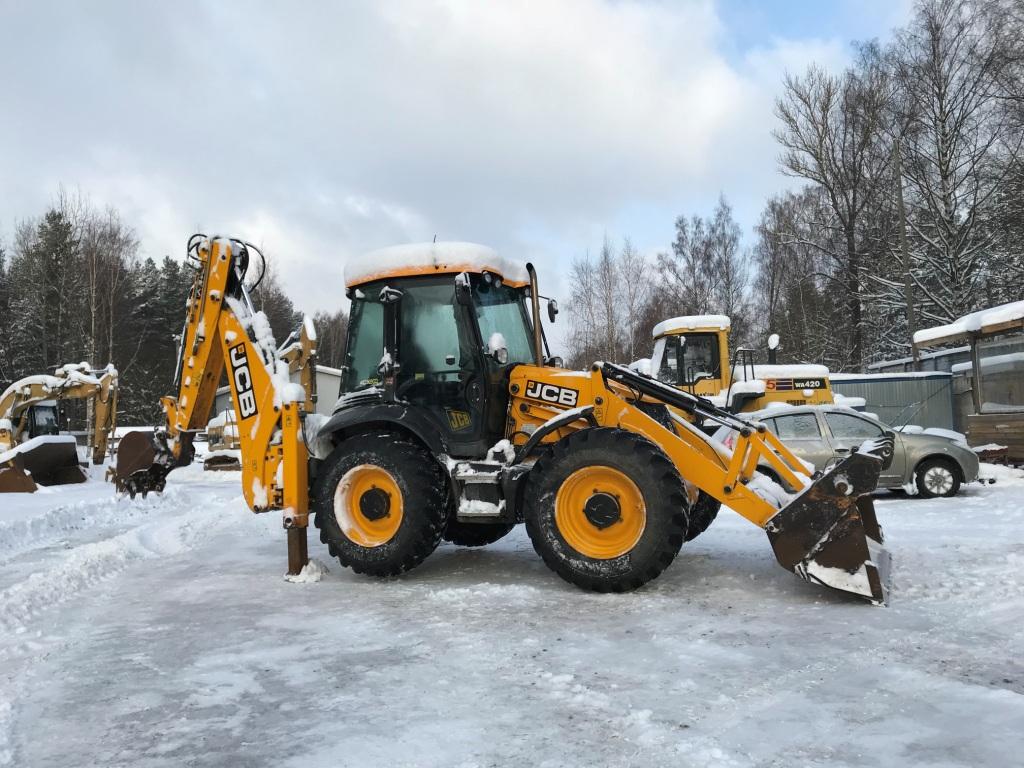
692 404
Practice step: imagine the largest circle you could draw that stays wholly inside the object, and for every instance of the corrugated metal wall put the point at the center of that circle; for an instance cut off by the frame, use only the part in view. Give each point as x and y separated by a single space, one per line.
923 399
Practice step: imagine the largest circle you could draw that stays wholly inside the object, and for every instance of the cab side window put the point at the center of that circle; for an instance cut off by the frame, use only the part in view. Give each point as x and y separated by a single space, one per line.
366 345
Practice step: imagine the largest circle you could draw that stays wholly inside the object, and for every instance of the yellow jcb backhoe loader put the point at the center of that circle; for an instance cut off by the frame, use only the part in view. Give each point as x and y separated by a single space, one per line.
30 438
454 424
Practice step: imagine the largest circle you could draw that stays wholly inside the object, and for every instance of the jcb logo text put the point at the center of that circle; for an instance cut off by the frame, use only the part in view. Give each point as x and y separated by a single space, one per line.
552 394
243 382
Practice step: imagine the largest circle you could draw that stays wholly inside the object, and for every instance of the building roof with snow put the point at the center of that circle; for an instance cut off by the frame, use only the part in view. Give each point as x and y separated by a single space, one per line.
433 259
985 322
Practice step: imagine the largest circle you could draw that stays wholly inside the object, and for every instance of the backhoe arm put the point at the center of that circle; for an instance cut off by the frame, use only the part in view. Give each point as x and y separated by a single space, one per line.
224 332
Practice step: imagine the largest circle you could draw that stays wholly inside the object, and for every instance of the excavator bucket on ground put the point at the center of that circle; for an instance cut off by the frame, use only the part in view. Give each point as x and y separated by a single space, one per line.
49 459
14 478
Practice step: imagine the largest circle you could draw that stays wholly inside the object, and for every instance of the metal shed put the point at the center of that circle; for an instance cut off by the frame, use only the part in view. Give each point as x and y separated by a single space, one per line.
925 399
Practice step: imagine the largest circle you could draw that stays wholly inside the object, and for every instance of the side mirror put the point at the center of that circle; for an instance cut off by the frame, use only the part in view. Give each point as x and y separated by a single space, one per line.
497 348
552 311
390 295
463 290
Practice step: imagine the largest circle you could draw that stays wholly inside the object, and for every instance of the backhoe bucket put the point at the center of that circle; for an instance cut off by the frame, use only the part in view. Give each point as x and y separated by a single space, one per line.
829 534
14 478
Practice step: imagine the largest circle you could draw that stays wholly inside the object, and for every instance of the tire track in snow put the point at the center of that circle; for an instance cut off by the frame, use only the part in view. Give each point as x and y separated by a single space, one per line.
94 562
189 522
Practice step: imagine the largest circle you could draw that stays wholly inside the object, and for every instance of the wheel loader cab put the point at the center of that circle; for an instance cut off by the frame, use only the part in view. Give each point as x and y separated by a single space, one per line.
444 344
692 361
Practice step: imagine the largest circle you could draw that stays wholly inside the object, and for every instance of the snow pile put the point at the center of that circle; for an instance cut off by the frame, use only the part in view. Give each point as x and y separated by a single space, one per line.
849 401
779 371
480 508
988 447
643 366
949 434
502 451
444 257
257 326
312 572
692 323
69 375
35 442
972 323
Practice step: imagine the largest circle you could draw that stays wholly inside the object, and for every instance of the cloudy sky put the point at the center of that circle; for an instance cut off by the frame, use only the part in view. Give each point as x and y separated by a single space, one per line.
323 130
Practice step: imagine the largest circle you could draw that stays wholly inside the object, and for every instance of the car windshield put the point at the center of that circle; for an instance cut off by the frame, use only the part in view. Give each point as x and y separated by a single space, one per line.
500 310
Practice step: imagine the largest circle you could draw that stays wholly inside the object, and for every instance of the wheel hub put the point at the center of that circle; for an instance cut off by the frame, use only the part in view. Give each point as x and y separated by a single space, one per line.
602 510
375 504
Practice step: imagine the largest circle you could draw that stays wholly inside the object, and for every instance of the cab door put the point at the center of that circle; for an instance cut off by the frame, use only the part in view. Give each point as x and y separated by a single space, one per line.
440 362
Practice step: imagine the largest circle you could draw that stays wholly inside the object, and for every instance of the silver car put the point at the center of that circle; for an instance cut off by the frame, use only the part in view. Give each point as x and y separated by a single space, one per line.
929 465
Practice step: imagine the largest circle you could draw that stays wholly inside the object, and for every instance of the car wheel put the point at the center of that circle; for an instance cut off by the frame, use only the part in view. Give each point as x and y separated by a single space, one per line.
937 478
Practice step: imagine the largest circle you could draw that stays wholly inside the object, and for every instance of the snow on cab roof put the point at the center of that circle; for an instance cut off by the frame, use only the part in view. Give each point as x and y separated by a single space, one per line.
691 323
432 258
984 321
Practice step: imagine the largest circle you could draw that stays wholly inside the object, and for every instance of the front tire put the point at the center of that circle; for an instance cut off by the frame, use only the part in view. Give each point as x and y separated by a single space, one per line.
937 478
605 509
380 502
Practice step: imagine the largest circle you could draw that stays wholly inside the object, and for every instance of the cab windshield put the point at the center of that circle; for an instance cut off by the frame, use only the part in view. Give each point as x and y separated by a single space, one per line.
686 359
500 311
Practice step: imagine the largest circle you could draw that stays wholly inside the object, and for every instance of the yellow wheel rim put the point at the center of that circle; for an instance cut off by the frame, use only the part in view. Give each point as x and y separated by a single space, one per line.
600 512
368 505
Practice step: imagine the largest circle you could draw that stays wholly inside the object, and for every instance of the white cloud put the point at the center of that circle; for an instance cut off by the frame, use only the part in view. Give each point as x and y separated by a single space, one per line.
326 131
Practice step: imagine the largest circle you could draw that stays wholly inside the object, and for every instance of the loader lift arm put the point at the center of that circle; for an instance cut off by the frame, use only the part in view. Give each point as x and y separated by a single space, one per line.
222 332
826 532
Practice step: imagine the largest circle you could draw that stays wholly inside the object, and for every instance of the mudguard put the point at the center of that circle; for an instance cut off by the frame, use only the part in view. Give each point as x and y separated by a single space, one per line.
364 413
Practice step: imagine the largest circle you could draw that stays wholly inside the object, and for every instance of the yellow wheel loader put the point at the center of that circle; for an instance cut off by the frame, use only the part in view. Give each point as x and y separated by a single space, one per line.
455 424
692 353
30 439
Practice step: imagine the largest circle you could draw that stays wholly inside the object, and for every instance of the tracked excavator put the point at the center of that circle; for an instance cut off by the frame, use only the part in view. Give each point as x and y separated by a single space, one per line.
455 423
32 450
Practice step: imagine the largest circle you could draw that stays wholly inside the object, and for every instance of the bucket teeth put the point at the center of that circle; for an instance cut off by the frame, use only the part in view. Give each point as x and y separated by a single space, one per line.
829 534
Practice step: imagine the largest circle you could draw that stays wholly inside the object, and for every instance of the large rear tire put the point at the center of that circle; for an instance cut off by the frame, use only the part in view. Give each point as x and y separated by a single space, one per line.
380 502
476 534
605 509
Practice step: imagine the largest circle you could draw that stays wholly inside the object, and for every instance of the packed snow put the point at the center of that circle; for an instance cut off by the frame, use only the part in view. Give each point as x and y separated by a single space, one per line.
691 323
443 257
161 633
973 323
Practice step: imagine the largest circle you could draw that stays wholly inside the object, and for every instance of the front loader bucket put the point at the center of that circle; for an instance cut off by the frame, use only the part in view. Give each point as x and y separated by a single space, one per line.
14 478
52 460
829 534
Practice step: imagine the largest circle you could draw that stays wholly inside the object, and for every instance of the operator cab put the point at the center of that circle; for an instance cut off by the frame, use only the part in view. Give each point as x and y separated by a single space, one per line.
440 332
690 353
43 419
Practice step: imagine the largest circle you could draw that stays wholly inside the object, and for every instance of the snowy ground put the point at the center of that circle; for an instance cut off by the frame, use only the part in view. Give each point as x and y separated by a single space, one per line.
161 633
